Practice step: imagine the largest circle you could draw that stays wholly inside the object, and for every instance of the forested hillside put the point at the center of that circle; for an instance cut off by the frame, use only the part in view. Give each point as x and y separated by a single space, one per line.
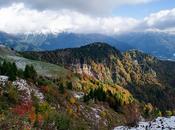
91 87
150 80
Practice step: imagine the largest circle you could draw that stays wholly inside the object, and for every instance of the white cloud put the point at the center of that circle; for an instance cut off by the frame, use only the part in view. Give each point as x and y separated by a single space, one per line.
18 18
161 20
84 6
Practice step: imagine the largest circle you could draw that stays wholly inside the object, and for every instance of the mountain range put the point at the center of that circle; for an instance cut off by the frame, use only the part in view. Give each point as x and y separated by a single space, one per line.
159 44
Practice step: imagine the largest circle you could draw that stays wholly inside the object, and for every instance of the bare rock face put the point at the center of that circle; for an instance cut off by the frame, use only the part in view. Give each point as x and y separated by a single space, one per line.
82 69
97 71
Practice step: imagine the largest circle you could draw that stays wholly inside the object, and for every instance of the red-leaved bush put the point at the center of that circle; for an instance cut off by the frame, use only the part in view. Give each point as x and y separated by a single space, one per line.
22 108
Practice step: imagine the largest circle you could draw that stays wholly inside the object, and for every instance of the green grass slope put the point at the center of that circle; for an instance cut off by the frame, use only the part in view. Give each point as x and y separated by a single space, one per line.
43 69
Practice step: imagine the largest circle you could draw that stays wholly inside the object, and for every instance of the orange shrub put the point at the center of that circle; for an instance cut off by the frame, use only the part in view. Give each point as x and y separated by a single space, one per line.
23 108
32 117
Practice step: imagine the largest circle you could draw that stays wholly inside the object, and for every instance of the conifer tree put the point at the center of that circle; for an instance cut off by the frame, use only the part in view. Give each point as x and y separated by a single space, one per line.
9 69
61 88
30 72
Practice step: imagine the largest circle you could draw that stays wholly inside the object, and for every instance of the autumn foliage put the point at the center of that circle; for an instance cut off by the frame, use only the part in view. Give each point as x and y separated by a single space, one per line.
22 108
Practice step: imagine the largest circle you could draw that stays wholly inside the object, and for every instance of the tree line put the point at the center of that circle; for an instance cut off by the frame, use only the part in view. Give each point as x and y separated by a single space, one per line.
115 101
10 69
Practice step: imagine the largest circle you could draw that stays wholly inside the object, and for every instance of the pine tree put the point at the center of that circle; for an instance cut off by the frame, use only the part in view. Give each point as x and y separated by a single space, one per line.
9 69
14 68
91 94
61 88
4 68
30 72
33 72
0 68
12 71
69 85
26 71
100 94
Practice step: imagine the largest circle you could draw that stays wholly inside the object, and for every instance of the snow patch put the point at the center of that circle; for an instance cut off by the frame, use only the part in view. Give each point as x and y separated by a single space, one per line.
22 85
161 123
96 112
3 79
78 95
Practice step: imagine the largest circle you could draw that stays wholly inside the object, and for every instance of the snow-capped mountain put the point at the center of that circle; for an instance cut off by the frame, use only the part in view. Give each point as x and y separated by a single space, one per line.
69 40
158 44
51 41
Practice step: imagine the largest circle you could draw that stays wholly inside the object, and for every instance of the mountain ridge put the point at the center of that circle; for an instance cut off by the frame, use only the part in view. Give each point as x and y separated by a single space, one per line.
158 44
142 74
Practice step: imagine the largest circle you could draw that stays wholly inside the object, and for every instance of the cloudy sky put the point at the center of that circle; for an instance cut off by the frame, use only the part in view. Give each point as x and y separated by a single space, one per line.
87 16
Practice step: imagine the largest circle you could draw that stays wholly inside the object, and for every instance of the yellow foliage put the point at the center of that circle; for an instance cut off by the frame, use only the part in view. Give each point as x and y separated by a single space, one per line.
70 111
103 114
148 107
72 100
2 117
